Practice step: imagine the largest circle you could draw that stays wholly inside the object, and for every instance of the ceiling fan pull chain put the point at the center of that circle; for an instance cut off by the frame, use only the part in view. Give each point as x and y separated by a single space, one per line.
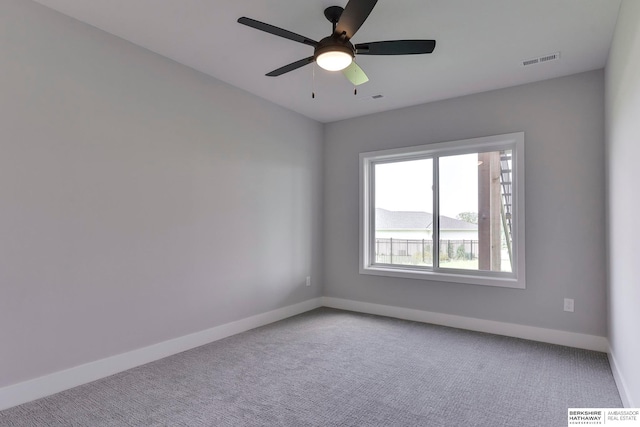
355 88
313 82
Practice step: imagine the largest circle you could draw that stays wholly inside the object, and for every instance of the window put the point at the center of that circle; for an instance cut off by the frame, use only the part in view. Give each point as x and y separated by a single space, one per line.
451 211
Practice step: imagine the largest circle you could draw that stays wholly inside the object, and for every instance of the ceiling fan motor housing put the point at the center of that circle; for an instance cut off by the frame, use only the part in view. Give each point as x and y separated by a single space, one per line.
334 44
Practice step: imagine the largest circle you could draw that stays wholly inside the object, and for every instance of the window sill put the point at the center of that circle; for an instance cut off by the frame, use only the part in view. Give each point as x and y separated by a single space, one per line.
440 276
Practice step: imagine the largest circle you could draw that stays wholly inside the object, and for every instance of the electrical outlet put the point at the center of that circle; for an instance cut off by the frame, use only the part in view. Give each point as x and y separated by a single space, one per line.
308 281
568 304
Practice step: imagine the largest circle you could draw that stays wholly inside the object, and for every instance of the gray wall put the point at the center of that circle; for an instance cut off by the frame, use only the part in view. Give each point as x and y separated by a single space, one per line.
139 200
563 121
623 153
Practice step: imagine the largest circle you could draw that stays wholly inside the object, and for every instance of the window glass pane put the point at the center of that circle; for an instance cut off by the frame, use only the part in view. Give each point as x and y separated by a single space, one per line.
404 213
475 211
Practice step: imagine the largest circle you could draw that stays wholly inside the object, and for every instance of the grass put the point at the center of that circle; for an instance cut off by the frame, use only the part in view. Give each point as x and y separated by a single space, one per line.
460 264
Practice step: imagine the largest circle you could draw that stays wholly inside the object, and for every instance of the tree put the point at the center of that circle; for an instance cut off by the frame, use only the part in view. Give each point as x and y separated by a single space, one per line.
471 217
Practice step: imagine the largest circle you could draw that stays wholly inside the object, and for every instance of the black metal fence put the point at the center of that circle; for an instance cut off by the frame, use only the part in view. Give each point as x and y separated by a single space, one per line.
420 251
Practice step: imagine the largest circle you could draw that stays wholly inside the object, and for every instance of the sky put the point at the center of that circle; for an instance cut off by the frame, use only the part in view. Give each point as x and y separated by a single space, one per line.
406 186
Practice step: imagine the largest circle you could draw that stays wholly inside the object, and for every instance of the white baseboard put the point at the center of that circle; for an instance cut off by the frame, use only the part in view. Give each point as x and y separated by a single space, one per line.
27 391
570 339
620 383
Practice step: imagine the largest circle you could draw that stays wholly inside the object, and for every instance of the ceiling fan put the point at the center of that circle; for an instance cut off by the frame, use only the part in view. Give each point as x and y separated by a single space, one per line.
336 52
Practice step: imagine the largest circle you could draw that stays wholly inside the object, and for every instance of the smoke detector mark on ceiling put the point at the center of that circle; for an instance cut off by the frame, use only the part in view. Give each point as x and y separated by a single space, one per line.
539 60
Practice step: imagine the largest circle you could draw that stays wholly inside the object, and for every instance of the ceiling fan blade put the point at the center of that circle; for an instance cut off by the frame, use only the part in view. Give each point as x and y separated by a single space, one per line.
353 16
355 74
396 47
293 66
268 28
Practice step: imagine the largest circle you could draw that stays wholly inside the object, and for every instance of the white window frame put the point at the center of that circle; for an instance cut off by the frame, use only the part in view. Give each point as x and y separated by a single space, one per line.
512 141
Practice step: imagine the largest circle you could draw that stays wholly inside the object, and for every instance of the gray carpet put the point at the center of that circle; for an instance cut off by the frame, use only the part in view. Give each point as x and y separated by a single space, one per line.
336 368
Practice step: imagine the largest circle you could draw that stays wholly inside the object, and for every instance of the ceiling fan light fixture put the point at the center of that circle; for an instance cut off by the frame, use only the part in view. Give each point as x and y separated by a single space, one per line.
336 52
335 59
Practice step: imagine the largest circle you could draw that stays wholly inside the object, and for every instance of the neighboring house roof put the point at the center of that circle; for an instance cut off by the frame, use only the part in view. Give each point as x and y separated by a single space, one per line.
408 220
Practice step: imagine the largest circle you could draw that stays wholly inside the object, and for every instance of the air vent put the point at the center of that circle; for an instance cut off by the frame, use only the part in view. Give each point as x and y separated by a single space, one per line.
541 59
551 57
370 98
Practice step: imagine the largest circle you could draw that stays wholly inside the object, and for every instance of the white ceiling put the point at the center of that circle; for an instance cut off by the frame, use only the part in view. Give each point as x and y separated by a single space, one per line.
480 45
